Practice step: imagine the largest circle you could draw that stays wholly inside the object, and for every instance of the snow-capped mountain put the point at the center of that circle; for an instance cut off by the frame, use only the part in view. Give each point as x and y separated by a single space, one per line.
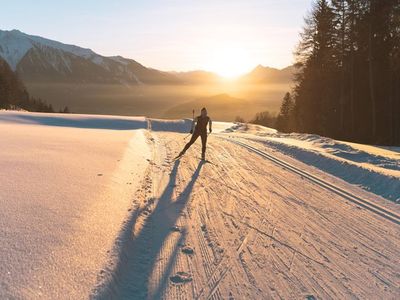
39 59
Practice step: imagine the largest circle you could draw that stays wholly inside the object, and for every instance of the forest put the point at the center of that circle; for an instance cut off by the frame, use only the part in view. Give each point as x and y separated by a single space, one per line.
347 83
13 94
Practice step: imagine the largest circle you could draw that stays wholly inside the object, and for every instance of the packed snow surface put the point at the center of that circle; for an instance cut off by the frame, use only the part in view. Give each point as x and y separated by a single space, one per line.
96 207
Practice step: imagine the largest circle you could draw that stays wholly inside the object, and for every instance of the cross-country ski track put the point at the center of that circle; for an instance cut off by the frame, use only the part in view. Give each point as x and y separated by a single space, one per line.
369 205
118 218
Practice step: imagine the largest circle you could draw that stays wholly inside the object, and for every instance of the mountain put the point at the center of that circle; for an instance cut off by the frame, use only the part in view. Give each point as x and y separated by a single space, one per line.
262 74
259 75
38 59
86 82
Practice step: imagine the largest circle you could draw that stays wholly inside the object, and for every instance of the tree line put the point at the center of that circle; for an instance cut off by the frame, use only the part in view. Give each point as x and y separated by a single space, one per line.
347 84
13 94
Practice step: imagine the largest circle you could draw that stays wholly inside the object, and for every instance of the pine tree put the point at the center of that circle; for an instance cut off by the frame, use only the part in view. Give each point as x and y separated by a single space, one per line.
340 9
315 61
348 80
13 94
264 118
284 119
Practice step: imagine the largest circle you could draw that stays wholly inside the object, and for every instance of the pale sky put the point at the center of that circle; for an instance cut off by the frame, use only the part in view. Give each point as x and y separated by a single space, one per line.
225 36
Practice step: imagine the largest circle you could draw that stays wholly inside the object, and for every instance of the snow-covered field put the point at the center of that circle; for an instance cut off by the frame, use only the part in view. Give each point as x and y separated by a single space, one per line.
95 207
65 192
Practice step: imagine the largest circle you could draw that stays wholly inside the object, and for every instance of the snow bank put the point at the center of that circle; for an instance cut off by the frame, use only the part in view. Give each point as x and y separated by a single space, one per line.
373 168
371 157
74 120
180 126
248 128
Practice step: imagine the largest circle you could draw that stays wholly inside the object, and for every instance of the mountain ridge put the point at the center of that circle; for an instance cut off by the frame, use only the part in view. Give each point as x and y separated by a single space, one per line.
38 59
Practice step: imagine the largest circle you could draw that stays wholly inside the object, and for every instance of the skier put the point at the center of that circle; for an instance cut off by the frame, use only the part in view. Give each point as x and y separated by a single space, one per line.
200 129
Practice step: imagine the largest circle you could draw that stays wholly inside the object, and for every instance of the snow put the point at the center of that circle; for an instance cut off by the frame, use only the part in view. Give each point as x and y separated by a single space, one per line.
75 120
60 181
247 128
13 47
373 168
120 59
181 126
95 207
256 231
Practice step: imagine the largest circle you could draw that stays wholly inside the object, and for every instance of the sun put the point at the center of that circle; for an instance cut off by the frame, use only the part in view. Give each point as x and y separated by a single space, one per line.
229 61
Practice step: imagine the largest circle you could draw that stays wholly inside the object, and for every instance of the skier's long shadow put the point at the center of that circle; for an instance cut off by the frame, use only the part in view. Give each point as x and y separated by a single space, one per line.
137 256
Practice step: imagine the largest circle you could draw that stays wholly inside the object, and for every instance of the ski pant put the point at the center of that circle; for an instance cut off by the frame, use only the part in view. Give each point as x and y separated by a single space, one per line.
195 135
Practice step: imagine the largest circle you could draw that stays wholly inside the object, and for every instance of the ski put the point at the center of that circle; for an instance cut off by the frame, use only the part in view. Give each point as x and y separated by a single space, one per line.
177 157
206 161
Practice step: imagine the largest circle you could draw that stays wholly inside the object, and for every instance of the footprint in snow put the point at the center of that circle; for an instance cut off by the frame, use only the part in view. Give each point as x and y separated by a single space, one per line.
187 250
181 277
175 228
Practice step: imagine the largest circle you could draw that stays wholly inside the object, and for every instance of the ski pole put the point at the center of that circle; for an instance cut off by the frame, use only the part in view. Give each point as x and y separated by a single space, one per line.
192 125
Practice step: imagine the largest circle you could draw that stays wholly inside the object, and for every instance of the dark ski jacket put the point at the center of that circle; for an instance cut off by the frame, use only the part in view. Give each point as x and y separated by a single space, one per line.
201 124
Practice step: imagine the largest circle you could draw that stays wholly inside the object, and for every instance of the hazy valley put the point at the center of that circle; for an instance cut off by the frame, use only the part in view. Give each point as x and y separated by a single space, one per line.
86 82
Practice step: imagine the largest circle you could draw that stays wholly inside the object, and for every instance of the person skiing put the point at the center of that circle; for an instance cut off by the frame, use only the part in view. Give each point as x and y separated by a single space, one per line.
199 128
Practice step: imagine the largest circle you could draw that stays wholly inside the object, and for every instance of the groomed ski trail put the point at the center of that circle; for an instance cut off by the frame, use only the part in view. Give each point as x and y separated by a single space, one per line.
249 228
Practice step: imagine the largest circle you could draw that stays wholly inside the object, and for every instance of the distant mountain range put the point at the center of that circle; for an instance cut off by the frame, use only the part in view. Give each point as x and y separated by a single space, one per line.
38 59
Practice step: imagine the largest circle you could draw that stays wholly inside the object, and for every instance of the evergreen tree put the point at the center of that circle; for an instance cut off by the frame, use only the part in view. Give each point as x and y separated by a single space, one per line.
284 119
13 94
264 118
348 79
315 62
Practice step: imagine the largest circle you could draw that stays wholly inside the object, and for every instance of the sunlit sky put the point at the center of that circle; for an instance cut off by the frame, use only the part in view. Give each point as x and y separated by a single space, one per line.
225 36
